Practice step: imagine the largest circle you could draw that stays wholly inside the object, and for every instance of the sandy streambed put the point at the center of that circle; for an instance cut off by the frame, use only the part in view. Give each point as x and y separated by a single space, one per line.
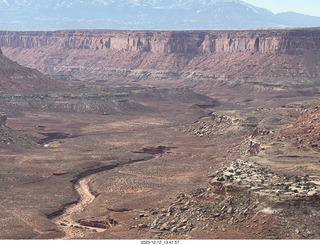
65 220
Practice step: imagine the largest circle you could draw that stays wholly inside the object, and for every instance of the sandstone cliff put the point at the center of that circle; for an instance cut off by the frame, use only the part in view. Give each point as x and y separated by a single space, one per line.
102 55
179 42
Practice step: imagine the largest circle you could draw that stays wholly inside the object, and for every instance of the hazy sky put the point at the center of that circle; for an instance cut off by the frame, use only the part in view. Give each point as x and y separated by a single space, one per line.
309 7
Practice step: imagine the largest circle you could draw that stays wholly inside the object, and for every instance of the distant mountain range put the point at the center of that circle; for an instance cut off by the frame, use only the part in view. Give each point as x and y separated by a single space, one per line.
144 15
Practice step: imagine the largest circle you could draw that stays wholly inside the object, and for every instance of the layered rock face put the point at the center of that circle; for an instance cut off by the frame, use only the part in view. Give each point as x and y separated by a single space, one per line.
103 55
179 42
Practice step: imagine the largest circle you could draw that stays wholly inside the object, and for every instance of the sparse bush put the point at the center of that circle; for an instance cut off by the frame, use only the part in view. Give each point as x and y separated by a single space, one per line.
307 186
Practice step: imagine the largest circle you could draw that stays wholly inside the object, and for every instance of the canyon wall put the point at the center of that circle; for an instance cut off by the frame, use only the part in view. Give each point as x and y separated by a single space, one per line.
134 56
181 42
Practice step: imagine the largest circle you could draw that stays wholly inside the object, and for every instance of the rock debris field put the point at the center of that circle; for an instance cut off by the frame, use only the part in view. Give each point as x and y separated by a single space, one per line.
254 177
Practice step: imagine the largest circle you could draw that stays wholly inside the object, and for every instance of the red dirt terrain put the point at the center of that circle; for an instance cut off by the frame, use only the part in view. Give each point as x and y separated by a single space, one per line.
139 153
305 127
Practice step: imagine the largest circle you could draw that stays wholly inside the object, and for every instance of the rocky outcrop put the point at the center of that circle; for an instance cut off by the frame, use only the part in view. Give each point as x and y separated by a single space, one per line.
103 224
202 209
263 181
245 198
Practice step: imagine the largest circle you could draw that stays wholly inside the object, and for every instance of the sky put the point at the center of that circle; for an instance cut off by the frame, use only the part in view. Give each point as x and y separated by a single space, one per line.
308 7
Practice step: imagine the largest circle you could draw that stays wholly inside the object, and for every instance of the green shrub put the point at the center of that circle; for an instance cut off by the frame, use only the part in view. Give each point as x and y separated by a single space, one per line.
221 179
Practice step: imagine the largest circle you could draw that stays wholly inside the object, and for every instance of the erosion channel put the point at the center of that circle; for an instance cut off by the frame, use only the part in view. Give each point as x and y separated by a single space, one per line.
65 219
78 228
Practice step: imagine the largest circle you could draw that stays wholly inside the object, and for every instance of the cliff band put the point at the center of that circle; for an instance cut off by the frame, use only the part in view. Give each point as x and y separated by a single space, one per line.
99 55
196 42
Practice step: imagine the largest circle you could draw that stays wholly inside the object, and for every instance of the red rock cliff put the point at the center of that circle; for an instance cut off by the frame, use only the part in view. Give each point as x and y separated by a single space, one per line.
103 55
196 42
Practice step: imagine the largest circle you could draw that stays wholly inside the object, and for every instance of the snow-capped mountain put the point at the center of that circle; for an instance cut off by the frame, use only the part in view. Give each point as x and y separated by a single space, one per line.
142 14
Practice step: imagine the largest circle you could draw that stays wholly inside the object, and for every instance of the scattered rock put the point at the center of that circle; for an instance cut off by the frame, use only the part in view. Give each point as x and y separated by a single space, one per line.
165 226
174 229
142 226
230 210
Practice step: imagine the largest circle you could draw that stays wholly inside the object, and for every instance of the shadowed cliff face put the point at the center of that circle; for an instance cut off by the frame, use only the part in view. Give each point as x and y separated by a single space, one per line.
117 56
